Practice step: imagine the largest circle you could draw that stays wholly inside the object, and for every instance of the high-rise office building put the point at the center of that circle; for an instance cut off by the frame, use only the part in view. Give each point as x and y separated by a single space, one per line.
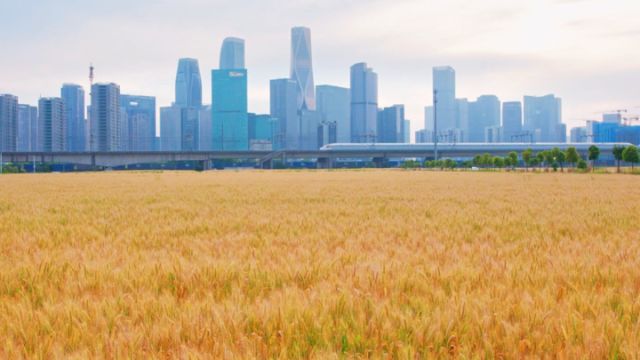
364 104
462 119
543 116
428 134
105 117
310 126
391 124
302 68
190 129
444 87
232 54
73 97
483 113
27 130
188 84
8 122
53 123
229 110
140 112
407 132
171 128
579 135
261 131
206 129
512 121
334 104
284 108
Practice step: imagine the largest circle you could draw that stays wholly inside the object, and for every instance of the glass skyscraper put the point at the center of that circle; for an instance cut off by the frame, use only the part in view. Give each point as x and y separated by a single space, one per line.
302 68
444 86
229 110
391 124
484 113
73 97
27 135
140 112
512 122
105 128
8 122
333 103
171 128
543 117
188 84
52 121
283 104
364 104
232 54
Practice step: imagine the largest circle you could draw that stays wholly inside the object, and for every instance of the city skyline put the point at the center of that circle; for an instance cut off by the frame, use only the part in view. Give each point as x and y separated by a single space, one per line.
554 60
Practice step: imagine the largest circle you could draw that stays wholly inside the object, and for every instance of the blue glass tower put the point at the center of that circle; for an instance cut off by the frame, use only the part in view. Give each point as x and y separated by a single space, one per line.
188 84
140 112
229 110
73 97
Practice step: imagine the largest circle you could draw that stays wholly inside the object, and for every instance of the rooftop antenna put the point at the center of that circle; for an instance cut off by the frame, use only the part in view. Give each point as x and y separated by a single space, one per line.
91 68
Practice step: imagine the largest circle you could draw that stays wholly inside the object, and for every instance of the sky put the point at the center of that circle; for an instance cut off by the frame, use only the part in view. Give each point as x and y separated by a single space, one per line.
585 51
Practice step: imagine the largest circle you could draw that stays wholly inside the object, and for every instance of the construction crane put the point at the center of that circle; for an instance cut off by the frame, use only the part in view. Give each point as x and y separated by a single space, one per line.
629 120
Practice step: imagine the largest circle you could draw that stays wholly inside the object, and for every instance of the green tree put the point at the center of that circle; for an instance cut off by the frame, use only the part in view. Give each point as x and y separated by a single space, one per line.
534 162
477 160
513 156
618 154
561 157
594 154
487 159
572 155
540 157
630 155
526 157
548 158
581 164
498 162
507 162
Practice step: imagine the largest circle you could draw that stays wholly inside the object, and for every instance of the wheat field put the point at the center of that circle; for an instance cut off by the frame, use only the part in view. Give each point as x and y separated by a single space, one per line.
356 264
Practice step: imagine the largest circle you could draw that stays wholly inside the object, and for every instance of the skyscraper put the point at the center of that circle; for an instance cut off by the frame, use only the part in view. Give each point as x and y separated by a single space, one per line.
206 129
188 84
171 128
406 138
27 130
141 122
391 124
8 122
229 110
444 86
232 54
302 68
462 119
105 128
512 121
73 97
334 106
483 113
543 116
364 103
190 129
53 122
283 103
261 131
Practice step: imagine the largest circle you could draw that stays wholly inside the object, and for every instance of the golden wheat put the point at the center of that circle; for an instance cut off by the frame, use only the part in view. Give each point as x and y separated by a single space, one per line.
319 265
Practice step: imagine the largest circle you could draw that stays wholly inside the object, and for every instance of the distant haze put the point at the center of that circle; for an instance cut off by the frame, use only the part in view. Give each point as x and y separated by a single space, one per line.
585 51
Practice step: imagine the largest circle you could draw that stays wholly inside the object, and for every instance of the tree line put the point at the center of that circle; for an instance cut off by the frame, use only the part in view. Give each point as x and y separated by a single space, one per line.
555 159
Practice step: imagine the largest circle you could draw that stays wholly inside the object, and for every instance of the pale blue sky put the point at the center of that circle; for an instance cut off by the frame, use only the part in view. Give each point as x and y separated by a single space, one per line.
585 51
